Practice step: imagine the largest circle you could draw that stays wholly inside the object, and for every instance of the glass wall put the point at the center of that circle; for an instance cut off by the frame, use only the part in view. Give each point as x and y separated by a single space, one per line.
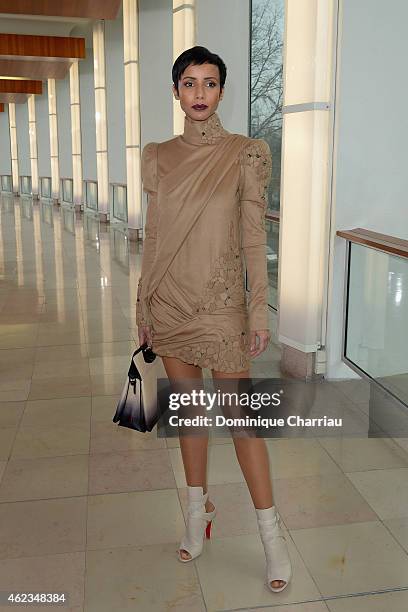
25 185
266 66
6 183
91 194
45 184
120 202
376 326
67 190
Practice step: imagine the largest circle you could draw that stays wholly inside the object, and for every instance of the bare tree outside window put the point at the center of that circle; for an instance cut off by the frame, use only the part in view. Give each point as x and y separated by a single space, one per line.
267 27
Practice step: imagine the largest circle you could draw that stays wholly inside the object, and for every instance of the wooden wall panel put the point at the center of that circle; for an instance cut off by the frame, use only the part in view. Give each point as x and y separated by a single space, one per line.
27 45
93 9
27 87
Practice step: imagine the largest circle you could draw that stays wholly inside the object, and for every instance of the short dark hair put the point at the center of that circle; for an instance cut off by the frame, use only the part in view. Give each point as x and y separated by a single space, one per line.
197 55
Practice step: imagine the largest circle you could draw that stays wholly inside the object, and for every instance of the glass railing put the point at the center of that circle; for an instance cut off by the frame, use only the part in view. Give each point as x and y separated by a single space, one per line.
67 189
119 195
376 309
25 185
91 194
45 187
6 183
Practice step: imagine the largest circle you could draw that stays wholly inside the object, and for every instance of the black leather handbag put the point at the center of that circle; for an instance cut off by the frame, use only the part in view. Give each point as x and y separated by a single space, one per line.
138 406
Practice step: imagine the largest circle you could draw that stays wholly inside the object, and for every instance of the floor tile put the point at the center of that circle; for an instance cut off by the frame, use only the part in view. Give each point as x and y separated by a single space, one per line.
10 413
145 578
110 364
139 470
52 441
15 390
60 387
381 602
7 436
44 478
59 573
56 354
73 368
297 457
232 575
385 490
300 607
121 348
316 501
59 411
108 384
223 466
399 529
358 390
337 557
136 518
43 527
47 338
358 454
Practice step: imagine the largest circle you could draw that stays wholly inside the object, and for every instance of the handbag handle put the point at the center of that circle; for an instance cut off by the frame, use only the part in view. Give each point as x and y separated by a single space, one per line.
148 356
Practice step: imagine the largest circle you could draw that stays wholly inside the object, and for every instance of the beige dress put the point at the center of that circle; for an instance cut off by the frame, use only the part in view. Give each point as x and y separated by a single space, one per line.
205 220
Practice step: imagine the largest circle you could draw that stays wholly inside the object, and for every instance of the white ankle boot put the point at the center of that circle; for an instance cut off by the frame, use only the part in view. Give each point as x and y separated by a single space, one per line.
198 524
278 565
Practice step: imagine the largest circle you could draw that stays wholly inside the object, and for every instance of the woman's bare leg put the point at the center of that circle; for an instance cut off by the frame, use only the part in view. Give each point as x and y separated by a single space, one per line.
252 455
193 448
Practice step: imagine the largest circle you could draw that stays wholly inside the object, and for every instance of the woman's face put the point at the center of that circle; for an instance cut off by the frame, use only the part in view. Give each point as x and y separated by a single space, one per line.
199 90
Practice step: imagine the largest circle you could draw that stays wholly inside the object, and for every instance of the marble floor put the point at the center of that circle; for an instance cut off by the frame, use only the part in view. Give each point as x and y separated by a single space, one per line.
97 511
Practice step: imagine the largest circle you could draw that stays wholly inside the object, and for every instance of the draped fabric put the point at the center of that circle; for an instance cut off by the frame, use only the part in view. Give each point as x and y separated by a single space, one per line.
205 220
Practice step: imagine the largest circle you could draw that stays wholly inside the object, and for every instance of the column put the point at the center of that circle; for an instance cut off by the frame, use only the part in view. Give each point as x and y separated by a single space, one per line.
309 54
13 148
132 117
76 134
100 116
52 115
32 130
184 37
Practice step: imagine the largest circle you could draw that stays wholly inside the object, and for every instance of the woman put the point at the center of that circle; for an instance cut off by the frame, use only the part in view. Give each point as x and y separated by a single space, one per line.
206 207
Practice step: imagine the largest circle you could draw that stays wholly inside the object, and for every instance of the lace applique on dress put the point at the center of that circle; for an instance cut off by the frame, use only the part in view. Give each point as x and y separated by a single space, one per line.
212 130
225 286
258 155
231 354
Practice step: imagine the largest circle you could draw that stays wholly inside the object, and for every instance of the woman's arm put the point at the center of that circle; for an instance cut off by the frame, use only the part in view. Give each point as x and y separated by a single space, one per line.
149 178
256 167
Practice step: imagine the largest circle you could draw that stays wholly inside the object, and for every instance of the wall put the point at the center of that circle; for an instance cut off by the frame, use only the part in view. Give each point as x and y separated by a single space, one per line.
224 28
115 93
156 60
156 54
370 174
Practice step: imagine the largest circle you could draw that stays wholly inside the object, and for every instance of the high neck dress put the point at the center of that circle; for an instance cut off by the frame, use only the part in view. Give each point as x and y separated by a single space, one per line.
205 222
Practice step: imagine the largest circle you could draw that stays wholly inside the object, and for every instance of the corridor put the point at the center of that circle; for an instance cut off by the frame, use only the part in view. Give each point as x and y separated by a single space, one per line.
96 511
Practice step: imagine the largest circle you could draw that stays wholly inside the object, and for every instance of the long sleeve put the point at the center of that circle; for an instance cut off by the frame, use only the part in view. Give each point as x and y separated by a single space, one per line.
149 179
256 168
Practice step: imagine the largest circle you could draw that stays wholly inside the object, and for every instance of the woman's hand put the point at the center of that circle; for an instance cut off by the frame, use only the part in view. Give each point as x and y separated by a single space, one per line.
263 337
145 334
